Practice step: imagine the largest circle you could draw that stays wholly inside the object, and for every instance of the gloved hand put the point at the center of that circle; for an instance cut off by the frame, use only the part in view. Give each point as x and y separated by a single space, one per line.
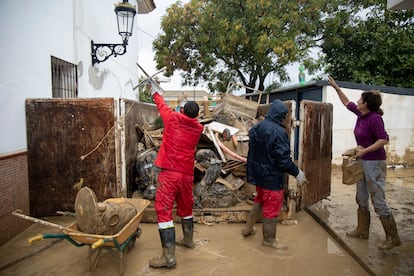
153 86
301 179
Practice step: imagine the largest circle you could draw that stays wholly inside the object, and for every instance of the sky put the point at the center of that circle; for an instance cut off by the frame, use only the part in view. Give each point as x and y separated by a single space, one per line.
148 30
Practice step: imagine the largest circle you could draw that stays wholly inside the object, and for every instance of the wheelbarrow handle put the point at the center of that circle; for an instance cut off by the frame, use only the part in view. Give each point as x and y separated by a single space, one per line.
98 243
35 238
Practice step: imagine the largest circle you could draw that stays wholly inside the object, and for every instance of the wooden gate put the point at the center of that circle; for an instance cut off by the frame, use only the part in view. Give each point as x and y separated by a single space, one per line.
315 151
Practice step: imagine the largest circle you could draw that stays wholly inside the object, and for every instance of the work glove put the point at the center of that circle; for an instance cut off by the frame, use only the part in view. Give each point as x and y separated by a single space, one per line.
153 86
301 179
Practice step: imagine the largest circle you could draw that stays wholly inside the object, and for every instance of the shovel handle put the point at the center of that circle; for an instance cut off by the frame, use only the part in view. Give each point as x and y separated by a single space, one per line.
35 238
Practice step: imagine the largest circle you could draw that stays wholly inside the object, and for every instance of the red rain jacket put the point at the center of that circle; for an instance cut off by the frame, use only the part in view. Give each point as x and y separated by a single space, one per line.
179 141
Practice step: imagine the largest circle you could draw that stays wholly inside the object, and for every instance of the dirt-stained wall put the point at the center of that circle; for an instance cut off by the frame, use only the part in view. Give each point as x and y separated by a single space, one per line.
398 119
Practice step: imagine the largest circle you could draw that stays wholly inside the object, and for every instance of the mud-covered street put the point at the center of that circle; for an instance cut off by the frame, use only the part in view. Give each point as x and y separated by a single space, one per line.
338 215
314 249
220 250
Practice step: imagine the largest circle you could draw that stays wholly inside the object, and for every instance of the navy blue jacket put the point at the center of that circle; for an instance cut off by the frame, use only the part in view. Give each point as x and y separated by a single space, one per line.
269 159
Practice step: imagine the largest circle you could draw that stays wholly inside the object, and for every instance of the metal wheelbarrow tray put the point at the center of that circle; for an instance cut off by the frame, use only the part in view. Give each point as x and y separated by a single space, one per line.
123 241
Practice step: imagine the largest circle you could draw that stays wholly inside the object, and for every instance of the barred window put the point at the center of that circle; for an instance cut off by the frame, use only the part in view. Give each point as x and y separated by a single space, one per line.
64 79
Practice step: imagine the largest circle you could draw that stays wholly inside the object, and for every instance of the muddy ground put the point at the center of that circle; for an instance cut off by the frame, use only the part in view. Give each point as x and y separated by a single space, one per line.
314 249
338 215
220 250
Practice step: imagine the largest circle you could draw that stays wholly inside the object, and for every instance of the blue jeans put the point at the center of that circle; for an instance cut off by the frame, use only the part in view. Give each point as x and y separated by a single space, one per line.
373 184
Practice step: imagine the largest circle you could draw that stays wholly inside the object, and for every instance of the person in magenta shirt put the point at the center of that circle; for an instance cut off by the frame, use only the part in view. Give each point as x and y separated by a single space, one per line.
371 137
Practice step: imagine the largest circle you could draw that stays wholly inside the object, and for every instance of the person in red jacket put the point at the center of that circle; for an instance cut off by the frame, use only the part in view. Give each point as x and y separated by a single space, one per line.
175 158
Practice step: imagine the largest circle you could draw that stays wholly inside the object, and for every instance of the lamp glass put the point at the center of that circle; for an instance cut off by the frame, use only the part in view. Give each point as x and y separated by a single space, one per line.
125 14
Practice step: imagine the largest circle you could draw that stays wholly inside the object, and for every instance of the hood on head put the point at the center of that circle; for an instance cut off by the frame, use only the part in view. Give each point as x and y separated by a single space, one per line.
277 111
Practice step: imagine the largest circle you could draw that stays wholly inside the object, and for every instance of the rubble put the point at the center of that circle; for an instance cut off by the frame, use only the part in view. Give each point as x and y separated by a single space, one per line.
220 162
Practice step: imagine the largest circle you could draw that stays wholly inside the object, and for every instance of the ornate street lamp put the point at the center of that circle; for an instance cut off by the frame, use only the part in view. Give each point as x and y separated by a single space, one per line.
125 13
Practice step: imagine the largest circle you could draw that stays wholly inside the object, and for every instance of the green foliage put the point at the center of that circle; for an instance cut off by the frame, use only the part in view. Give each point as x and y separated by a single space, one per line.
242 41
245 41
377 48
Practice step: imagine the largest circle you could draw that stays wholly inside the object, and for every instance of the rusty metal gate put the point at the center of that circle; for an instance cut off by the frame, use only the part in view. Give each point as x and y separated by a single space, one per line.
73 143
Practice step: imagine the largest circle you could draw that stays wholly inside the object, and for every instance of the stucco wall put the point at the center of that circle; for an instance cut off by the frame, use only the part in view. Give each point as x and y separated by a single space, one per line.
33 31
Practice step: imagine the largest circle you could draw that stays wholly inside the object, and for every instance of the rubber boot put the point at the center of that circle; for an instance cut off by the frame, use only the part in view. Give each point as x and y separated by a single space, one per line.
269 234
362 230
254 215
167 259
188 230
391 234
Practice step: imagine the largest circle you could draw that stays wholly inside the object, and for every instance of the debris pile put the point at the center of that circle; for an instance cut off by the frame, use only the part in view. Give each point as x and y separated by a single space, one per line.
220 161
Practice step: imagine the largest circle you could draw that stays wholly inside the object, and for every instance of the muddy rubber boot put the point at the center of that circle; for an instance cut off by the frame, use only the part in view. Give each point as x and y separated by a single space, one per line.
254 215
269 234
167 259
392 238
188 230
362 230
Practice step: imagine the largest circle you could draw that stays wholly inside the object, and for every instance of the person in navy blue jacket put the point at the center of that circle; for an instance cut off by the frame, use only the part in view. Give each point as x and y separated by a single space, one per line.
268 161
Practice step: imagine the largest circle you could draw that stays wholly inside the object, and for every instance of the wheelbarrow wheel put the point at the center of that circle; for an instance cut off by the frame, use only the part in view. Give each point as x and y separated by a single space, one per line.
93 258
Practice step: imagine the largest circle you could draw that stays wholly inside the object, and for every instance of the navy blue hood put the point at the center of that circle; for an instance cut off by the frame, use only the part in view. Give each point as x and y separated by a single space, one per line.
277 111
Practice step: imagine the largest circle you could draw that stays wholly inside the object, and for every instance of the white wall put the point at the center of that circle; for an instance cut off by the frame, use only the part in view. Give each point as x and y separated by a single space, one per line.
398 120
33 31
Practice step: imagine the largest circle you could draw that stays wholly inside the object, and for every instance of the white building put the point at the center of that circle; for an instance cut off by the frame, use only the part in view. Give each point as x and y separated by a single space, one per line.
37 34
47 53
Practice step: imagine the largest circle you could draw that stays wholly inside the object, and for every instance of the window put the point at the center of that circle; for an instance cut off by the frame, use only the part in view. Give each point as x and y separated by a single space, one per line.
64 79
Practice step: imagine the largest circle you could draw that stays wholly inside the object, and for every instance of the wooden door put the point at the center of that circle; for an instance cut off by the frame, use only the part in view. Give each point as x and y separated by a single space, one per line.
315 151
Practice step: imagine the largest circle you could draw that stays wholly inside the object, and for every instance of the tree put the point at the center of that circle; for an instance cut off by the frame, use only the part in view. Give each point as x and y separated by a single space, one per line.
375 47
243 41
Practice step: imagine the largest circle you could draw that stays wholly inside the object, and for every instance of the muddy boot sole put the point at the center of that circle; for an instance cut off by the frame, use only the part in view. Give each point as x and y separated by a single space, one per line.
248 232
161 262
184 244
275 245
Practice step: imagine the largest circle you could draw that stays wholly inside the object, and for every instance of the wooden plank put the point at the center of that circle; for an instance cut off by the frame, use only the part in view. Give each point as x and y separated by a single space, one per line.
237 106
235 214
214 139
219 127
315 150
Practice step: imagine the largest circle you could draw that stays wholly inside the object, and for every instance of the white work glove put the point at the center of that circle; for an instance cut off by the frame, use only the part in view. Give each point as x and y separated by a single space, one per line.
301 179
153 86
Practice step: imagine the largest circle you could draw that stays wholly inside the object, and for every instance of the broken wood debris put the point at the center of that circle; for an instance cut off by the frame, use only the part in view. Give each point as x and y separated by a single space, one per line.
220 163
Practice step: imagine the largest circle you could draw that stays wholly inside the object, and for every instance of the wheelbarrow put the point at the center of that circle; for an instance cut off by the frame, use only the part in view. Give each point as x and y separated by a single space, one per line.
123 241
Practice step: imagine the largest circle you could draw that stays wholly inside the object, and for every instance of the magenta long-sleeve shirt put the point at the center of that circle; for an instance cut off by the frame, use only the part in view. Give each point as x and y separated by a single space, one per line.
368 129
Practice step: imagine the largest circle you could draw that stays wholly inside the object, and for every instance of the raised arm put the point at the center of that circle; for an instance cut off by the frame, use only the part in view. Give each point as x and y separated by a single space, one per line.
344 99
